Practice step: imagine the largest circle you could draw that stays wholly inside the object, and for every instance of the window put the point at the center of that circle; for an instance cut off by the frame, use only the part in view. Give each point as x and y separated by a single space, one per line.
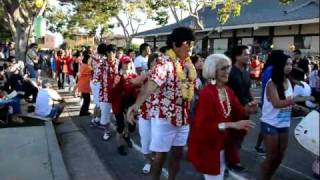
302 42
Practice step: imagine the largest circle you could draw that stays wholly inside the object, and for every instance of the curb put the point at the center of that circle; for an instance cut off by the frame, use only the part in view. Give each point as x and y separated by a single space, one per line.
58 168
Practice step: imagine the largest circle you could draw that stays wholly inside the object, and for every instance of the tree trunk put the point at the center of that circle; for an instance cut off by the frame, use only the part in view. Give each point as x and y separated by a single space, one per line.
128 42
21 40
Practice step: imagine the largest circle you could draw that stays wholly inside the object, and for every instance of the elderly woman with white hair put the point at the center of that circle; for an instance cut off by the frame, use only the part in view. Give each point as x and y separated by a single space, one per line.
218 121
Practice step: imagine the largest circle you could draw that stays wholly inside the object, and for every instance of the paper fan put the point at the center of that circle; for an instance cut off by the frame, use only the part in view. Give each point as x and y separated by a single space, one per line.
307 132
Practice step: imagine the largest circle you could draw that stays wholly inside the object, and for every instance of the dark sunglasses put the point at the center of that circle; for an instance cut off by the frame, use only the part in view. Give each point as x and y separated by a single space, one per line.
225 68
190 43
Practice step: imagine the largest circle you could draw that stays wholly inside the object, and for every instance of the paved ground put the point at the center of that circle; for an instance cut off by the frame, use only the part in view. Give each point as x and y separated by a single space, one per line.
296 165
30 152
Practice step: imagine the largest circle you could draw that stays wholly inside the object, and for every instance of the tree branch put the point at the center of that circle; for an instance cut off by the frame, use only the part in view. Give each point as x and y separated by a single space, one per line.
174 13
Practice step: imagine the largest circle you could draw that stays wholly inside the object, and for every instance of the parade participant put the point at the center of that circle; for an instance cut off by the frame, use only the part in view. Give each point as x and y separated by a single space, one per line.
83 84
265 77
276 114
145 114
119 53
255 70
219 115
61 68
197 61
239 82
131 54
173 78
141 61
296 57
123 96
96 62
108 68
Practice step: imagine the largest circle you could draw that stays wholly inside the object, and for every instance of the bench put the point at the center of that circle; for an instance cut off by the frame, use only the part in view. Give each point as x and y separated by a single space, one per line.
34 116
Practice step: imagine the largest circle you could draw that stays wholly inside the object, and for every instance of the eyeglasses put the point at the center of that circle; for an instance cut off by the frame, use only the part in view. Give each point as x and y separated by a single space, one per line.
225 68
190 43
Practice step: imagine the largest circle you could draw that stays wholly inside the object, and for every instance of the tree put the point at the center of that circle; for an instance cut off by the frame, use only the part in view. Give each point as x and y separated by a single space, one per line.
162 9
20 16
95 14
131 17
191 7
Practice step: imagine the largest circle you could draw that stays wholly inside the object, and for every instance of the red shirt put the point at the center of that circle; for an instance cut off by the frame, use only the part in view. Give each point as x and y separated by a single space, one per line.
170 104
123 92
205 139
64 65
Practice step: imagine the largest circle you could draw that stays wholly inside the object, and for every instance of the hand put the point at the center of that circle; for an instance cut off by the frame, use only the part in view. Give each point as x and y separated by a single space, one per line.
132 112
243 124
62 100
251 107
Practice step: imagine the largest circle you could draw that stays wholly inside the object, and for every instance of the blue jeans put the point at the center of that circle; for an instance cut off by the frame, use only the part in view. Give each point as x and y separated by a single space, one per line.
31 71
55 111
14 103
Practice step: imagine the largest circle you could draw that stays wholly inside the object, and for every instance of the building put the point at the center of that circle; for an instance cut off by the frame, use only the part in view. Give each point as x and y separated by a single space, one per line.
117 39
262 24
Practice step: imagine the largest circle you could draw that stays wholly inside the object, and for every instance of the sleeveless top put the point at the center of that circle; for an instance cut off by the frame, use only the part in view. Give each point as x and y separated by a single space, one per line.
277 117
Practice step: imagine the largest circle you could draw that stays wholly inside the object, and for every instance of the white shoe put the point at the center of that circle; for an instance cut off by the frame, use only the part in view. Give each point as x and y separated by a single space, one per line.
106 136
146 169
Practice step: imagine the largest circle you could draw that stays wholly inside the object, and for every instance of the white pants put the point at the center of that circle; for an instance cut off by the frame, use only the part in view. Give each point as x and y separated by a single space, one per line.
222 168
105 113
95 89
145 134
164 135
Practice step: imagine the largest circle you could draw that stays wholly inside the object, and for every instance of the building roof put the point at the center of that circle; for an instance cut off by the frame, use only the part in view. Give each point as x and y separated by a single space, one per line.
259 13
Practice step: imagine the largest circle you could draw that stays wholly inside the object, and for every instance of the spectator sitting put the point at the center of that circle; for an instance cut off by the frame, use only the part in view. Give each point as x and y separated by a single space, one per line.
10 105
45 106
23 84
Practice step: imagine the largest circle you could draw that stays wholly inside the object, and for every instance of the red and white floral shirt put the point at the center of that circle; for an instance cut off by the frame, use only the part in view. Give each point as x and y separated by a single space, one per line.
148 108
169 101
104 72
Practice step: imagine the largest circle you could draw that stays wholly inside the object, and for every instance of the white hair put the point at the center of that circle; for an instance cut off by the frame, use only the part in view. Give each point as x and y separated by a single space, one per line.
209 69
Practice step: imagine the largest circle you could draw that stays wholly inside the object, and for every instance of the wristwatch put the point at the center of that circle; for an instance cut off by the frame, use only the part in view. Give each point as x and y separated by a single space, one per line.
222 126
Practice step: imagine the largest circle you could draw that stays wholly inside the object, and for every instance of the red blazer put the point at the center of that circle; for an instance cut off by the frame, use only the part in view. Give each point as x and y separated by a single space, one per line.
67 60
205 139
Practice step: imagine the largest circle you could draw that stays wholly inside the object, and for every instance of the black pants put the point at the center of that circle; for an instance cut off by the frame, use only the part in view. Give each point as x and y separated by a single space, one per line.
85 105
61 80
30 89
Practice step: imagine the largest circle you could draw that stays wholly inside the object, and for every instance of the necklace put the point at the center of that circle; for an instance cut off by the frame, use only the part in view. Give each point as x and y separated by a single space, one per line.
186 79
226 112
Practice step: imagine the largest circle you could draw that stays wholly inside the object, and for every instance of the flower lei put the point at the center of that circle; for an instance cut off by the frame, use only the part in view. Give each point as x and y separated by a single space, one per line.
186 80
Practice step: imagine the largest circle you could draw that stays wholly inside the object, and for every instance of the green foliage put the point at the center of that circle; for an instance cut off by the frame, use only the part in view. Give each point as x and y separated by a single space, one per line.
286 1
135 47
90 14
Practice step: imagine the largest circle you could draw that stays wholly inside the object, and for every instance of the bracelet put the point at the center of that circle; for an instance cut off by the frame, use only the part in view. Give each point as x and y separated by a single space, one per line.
222 126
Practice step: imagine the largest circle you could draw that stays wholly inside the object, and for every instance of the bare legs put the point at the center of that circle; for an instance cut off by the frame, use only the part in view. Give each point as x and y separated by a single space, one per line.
174 163
276 146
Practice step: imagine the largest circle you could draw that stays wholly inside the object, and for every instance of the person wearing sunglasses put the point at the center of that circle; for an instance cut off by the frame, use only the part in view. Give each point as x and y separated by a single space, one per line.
172 78
219 118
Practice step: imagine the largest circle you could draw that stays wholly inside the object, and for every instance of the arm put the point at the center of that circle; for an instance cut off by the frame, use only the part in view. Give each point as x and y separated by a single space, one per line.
273 97
54 95
150 87
138 81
